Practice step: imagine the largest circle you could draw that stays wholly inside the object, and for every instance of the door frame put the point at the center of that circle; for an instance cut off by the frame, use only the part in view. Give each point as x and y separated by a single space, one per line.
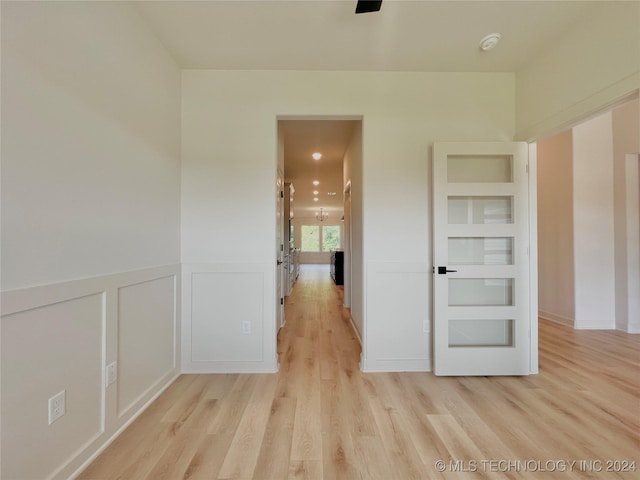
533 259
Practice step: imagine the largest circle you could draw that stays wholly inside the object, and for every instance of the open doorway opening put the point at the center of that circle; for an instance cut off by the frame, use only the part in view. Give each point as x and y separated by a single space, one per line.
320 160
588 222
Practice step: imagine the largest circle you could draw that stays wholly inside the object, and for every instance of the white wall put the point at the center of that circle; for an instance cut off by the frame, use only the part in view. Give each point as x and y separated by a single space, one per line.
228 213
595 63
90 227
90 144
555 228
602 241
593 224
626 143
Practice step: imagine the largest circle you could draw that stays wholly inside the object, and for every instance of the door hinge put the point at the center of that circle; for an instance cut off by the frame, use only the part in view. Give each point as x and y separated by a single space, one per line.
282 247
281 194
527 166
281 301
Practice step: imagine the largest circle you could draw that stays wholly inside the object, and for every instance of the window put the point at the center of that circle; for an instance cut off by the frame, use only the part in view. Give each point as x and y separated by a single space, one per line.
330 237
310 241
316 238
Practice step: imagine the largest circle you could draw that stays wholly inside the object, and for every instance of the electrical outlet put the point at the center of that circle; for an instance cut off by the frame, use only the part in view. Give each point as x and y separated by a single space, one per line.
112 373
246 327
426 326
57 406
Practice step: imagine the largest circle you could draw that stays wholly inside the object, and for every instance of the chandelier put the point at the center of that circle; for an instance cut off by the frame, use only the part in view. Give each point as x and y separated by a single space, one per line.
322 215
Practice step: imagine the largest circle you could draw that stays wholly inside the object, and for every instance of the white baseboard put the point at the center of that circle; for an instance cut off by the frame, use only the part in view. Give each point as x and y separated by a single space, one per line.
355 330
399 365
126 425
95 321
556 318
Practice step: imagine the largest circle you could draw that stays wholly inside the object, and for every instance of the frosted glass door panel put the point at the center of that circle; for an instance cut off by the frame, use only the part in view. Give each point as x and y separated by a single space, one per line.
479 210
479 168
481 333
481 251
480 292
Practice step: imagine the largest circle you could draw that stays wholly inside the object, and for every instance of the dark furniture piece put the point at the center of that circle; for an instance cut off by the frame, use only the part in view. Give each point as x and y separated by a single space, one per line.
337 266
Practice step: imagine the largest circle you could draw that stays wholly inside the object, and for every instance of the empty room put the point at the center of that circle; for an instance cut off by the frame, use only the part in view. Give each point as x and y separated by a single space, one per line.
457 294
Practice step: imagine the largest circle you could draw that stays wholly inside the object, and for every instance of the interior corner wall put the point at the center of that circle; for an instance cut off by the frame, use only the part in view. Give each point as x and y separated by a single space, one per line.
228 210
555 228
90 227
592 66
593 224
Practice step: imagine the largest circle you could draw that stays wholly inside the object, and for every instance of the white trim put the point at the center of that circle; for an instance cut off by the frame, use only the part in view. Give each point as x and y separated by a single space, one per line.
22 299
269 361
355 330
399 360
601 101
552 317
118 432
107 287
533 258
629 331
398 365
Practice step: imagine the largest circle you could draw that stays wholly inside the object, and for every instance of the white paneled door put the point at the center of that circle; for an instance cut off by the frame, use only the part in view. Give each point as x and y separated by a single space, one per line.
481 259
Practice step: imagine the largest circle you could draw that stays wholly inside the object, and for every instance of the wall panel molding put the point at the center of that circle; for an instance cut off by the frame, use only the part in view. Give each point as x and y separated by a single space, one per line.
397 306
70 332
228 318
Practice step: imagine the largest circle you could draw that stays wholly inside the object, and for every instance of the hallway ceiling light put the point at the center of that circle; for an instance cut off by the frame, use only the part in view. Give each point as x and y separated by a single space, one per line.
316 183
331 194
315 199
316 192
322 215
316 155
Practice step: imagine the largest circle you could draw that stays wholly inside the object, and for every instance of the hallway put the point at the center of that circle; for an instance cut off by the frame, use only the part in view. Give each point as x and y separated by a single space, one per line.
321 418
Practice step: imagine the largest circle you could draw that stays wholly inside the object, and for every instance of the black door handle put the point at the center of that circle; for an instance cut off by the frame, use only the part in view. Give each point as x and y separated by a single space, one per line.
278 262
444 271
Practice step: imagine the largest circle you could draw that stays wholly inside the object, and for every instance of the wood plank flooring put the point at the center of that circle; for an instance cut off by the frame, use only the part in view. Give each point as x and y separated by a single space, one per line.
321 418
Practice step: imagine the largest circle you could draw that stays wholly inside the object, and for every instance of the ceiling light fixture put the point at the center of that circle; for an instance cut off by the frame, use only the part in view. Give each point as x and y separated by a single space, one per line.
317 156
316 199
331 194
316 192
322 215
316 183
490 41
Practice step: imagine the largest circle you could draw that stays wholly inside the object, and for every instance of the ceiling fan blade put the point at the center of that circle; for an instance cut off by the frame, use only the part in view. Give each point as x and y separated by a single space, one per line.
366 6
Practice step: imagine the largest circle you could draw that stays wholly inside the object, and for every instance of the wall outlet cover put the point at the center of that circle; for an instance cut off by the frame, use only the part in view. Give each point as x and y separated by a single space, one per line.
112 373
57 406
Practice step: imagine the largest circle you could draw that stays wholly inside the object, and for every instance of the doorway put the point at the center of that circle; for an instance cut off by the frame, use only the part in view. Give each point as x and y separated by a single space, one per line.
320 158
587 222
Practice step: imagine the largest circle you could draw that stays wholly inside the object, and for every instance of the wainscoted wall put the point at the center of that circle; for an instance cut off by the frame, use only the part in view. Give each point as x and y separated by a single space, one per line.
228 322
398 299
62 337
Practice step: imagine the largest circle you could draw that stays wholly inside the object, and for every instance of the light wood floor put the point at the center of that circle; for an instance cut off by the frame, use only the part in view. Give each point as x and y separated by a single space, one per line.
321 418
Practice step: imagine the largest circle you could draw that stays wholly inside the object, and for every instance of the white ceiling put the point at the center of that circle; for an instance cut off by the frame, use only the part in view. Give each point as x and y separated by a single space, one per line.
301 139
327 35
405 35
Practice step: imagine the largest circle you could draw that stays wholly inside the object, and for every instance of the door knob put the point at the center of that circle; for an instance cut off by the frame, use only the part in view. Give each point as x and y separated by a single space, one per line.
444 271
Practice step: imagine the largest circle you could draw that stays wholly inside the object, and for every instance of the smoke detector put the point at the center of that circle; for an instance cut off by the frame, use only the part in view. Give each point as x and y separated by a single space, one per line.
490 41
